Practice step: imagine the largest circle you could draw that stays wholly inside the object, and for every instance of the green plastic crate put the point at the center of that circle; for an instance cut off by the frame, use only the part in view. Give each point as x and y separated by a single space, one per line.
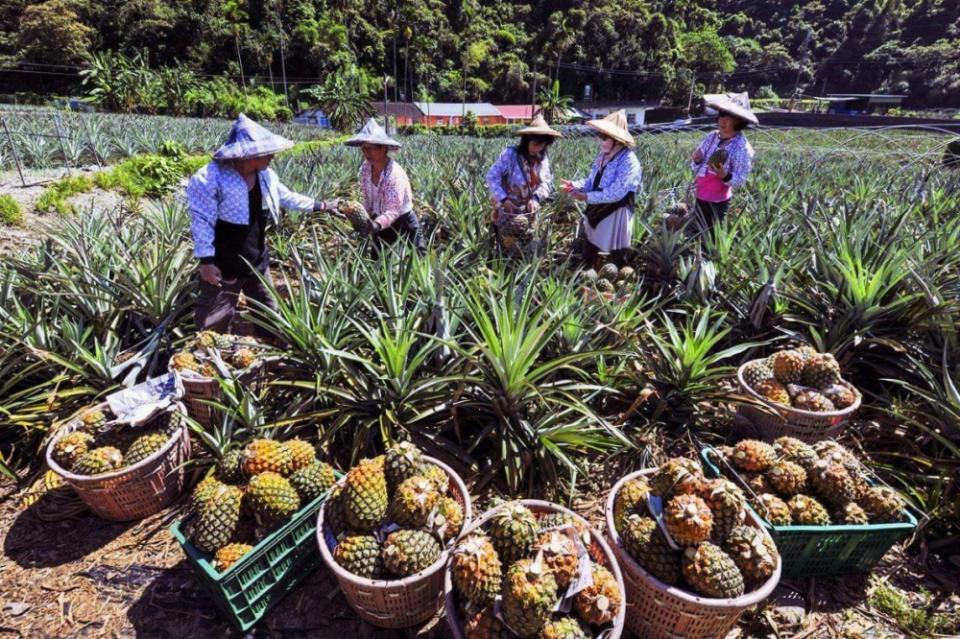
826 551
252 586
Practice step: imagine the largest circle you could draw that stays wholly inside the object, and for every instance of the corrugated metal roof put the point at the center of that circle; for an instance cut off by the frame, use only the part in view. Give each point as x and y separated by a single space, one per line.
517 111
457 109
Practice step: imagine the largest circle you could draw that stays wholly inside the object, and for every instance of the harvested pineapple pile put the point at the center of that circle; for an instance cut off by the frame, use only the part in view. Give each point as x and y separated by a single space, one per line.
610 279
98 446
811 485
237 353
801 378
392 515
522 577
717 555
253 492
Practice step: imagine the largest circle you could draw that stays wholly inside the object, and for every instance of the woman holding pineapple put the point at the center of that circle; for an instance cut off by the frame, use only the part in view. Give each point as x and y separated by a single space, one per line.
609 192
723 160
519 181
231 202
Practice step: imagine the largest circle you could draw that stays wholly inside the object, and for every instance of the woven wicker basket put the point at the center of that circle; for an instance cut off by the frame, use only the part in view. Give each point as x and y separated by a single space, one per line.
395 603
770 420
600 553
658 611
133 492
197 391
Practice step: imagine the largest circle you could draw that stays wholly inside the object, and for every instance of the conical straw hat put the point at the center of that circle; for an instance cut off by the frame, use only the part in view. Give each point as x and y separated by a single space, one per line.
737 105
247 139
539 126
372 133
615 126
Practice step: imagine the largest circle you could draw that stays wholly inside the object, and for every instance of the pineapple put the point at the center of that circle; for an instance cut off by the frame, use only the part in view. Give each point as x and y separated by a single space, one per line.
203 492
796 451
643 541
726 503
754 553
820 371
517 226
605 286
357 216
266 455
609 271
627 274
413 501
773 390
589 276
513 530
840 396
712 572
483 624
217 522
302 454
475 568
447 520
806 351
407 552
230 468
827 447
243 358
753 455
205 339
184 361
813 401
787 478
632 498
334 518
775 510
71 447
677 476
98 461
559 555
562 520
787 366
850 513
402 461
883 505
565 628
756 371
228 555
359 554
365 499
688 520
600 602
807 511
313 481
437 475
832 481
529 594
144 446
272 499
757 482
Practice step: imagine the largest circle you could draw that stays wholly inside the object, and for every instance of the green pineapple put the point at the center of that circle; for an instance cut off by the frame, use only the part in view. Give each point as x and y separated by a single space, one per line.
217 521
712 572
230 468
71 447
605 286
807 511
609 271
565 628
631 499
365 499
787 478
676 476
832 482
98 461
437 475
756 371
359 553
529 594
796 451
774 510
402 461
883 505
599 603
447 520
313 481
356 215
334 518
644 542
513 531
204 490
727 503
754 553
475 568
820 371
272 499
407 552
144 446
414 500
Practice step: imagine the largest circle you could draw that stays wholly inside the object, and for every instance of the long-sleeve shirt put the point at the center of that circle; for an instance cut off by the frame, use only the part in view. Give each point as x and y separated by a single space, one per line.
389 199
512 171
622 175
739 157
218 192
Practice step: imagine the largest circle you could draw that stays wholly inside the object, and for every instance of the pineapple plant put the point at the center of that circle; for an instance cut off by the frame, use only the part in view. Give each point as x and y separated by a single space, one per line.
230 554
599 603
414 500
407 552
513 531
711 571
402 461
807 511
71 447
529 593
144 446
787 478
773 390
365 500
302 454
475 568
753 455
266 455
272 499
565 628
820 371
360 554
643 541
883 505
813 401
218 519
726 503
754 553
560 556
787 366
632 498
688 520
98 461
793 450
775 510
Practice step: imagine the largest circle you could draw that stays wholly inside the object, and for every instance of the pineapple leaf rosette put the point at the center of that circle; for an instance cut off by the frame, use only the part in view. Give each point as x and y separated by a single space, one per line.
524 575
801 378
690 532
392 516
254 491
792 483
212 354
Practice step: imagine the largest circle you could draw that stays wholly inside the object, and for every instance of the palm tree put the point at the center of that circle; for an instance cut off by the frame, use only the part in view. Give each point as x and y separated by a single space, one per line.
554 105
344 100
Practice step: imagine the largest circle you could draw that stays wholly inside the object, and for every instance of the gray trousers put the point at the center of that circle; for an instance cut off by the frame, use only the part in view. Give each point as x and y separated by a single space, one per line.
216 307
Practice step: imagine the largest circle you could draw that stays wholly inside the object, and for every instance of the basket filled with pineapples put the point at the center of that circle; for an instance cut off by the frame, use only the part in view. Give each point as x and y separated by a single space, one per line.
797 392
694 558
249 530
386 532
828 514
530 568
208 356
609 282
122 471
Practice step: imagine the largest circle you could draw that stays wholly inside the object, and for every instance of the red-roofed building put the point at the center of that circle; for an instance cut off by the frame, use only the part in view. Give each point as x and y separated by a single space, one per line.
517 113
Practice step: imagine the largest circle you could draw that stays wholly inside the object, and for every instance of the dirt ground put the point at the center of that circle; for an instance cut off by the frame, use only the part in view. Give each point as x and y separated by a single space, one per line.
68 574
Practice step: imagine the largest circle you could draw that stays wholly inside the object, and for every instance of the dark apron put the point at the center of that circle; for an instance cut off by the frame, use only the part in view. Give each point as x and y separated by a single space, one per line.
236 244
597 213
408 226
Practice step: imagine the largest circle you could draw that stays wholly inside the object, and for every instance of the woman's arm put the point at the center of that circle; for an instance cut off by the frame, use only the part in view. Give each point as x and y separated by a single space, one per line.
546 181
202 204
741 162
395 188
701 152
501 167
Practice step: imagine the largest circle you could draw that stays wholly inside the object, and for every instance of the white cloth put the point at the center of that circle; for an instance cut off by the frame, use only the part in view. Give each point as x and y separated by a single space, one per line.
613 233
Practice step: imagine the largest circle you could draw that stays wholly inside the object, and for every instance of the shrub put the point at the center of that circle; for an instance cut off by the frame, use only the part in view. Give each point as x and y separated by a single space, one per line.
10 211
54 198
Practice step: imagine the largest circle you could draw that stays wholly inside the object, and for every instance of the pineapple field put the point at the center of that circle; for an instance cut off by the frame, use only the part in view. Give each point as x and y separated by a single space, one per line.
840 259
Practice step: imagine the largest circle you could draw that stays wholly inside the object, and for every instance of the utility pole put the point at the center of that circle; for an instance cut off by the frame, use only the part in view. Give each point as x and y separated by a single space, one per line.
803 63
533 94
693 85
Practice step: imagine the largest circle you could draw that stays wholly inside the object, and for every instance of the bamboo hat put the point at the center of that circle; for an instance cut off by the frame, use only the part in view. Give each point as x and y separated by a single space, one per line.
736 105
247 140
614 126
372 133
539 126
